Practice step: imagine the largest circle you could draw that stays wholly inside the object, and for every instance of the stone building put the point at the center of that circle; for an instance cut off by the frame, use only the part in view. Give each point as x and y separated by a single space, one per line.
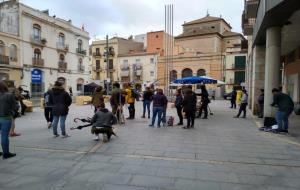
137 67
43 49
117 46
200 50
274 53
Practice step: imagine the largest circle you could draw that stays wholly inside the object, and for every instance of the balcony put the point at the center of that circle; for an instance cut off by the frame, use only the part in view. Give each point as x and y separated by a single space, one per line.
251 8
125 71
4 60
37 40
62 47
62 65
38 62
80 51
247 25
97 69
96 54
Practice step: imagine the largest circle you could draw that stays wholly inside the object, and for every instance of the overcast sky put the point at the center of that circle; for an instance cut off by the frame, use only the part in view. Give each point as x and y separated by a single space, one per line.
132 17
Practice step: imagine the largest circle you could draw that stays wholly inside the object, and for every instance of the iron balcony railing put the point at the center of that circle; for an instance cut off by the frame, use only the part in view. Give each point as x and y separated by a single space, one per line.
38 62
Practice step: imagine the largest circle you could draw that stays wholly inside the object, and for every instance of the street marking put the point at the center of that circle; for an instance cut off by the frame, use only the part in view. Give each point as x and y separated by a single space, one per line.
50 150
205 161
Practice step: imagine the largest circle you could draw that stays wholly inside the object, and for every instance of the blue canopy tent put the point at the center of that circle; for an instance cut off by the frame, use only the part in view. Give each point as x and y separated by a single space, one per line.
195 80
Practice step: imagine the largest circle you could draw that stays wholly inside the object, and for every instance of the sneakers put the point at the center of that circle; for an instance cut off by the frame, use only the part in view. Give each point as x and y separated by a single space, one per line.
65 136
49 125
9 155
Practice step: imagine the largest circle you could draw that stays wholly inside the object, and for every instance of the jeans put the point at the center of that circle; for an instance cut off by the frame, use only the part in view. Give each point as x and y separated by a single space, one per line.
48 114
146 105
157 111
131 109
179 113
242 109
5 126
62 120
282 119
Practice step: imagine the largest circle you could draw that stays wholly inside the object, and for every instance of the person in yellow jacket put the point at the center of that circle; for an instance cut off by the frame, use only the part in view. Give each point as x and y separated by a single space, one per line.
130 100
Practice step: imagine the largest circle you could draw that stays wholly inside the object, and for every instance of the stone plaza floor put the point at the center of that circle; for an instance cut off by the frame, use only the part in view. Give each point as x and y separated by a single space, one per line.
221 153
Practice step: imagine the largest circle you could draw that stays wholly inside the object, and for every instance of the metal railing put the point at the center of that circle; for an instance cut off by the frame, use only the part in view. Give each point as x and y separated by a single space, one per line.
4 60
81 51
62 46
37 62
38 40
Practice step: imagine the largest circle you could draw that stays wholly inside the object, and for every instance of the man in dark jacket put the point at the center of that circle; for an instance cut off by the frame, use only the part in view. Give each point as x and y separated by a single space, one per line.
103 121
204 102
61 100
178 105
147 99
233 99
285 108
260 101
189 107
159 103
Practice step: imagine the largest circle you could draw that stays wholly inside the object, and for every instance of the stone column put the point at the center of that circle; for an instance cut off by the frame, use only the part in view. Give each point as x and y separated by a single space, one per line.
272 66
258 75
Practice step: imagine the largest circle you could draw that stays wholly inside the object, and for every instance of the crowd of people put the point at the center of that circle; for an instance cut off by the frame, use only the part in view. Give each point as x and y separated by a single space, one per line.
57 101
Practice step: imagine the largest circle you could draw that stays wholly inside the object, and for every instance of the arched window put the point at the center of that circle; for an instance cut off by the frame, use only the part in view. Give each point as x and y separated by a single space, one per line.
13 52
187 73
80 65
201 72
36 32
2 48
61 57
37 54
80 83
79 44
61 40
173 75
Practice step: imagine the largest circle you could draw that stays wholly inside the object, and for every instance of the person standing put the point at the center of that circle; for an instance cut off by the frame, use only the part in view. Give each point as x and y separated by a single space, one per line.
48 108
233 99
178 105
20 98
7 107
147 99
244 103
97 97
61 100
189 107
70 91
260 101
130 100
285 108
204 102
159 102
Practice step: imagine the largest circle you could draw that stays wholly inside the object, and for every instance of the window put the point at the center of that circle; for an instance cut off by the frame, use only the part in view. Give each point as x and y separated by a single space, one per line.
138 60
36 32
173 75
240 62
152 73
79 45
2 48
13 52
97 51
187 73
80 65
97 64
201 72
61 58
37 54
61 40
152 60
80 83
111 64
125 64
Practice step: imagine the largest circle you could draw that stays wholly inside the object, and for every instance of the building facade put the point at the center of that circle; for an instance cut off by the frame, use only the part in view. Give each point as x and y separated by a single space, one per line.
48 48
137 68
273 56
117 46
200 50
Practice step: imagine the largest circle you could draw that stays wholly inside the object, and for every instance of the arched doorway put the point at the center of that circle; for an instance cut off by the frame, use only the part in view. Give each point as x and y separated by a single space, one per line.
201 72
80 83
187 73
173 75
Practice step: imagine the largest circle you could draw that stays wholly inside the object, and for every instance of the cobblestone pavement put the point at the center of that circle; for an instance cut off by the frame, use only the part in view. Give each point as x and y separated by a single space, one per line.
220 153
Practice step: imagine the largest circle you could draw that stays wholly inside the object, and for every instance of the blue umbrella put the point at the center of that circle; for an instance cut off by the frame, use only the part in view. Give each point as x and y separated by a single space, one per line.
195 80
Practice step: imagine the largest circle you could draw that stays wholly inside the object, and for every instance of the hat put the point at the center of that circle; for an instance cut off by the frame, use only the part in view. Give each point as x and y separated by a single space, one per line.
57 83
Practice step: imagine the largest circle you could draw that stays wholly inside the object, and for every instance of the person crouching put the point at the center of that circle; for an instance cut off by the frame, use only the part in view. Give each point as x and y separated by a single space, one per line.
103 121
